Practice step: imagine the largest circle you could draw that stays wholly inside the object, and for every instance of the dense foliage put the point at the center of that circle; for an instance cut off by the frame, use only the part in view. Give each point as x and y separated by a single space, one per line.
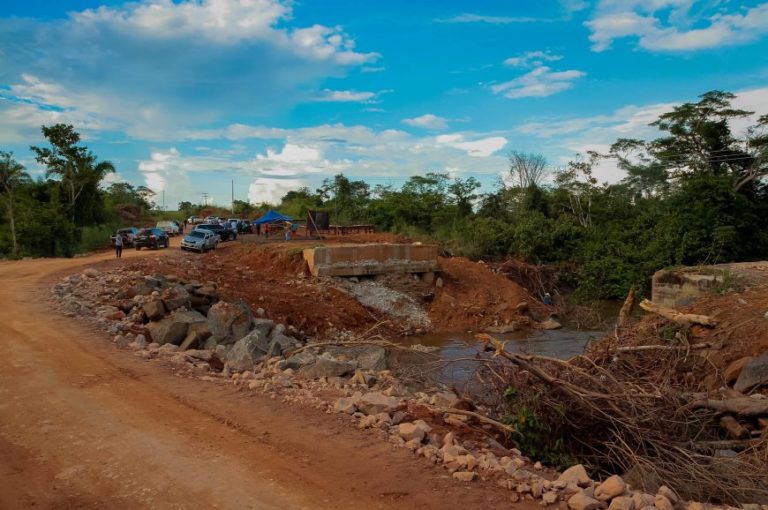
698 194
70 210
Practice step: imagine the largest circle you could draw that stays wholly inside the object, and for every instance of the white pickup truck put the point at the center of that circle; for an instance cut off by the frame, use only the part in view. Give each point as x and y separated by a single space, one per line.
171 227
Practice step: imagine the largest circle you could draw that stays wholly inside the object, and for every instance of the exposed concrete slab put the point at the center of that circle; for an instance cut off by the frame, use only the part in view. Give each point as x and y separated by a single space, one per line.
371 259
682 287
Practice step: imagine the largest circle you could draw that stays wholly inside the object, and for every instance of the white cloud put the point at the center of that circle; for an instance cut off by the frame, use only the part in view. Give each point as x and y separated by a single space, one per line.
532 58
495 20
181 64
264 189
225 22
308 155
481 148
540 82
669 25
428 121
347 96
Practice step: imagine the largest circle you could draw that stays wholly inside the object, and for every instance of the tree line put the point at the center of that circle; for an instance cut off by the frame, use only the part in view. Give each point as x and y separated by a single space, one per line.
68 210
697 194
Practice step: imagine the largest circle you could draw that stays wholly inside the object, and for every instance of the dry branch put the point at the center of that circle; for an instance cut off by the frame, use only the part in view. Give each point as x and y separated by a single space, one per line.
683 319
637 348
479 417
626 309
743 406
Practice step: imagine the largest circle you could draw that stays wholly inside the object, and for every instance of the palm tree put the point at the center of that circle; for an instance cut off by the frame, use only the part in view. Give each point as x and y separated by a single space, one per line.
12 177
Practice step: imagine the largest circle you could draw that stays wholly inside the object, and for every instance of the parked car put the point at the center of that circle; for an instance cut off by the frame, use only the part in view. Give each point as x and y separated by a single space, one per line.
200 240
194 220
151 238
128 234
224 233
171 227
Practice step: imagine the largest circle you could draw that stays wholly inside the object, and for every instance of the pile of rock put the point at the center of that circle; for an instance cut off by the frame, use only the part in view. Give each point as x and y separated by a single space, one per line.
166 310
162 310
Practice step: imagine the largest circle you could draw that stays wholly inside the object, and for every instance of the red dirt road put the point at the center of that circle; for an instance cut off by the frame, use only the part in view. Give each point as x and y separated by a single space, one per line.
85 425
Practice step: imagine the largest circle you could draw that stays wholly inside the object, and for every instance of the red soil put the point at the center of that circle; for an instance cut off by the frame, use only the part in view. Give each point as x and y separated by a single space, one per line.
474 297
273 276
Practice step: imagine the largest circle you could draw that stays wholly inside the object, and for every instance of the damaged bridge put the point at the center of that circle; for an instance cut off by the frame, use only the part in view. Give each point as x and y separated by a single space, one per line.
371 259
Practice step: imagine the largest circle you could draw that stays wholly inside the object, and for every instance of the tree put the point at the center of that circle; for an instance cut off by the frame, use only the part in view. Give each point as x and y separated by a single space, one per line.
12 177
463 192
185 208
527 169
78 169
700 141
242 208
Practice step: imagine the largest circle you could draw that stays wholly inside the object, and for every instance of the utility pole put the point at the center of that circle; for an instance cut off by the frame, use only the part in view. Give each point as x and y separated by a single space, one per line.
233 198
163 200
205 199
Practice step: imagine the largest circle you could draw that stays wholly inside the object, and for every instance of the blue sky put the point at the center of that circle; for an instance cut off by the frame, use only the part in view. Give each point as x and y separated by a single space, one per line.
186 96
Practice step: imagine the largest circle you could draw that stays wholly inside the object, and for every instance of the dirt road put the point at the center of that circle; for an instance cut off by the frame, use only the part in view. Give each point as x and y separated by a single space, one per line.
85 425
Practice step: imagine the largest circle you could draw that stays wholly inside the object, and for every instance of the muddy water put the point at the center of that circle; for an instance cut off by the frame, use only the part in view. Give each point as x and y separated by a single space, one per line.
461 348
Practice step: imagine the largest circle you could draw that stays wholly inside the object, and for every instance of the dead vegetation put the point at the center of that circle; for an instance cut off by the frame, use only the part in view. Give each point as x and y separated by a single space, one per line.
636 404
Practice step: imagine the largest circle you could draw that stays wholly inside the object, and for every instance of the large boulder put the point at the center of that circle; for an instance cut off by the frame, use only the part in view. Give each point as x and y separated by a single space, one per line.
613 486
176 297
264 326
376 402
299 361
581 501
173 329
229 322
246 352
575 474
197 334
368 357
326 365
282 344
753 375
154 310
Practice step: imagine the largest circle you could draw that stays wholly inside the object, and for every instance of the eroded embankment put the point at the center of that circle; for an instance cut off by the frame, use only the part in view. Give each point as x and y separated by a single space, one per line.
465 296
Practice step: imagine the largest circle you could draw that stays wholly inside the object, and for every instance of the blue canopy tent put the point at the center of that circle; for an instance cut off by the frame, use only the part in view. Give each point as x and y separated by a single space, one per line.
272 216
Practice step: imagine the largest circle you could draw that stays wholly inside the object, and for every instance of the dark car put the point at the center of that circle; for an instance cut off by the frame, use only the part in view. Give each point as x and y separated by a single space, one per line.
245 227
151 238
224 233
128 235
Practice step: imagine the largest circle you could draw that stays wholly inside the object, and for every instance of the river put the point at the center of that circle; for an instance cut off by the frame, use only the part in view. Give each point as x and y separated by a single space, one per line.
459 348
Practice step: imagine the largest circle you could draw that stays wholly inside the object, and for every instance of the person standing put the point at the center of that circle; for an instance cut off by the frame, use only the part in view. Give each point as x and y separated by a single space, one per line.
118 245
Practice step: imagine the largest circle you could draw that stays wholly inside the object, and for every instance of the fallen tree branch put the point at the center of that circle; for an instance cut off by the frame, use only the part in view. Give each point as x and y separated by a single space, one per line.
479 417
728 444
683 319
743 406
635 348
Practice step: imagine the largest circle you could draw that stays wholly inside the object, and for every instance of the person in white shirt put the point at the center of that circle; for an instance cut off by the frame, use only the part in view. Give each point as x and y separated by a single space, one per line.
118 245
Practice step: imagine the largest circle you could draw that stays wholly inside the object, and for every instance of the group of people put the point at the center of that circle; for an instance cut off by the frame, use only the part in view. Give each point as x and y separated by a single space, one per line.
289 228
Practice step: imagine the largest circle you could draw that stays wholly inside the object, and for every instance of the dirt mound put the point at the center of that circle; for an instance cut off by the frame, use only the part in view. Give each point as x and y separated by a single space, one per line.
474 297
273 278
742 330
